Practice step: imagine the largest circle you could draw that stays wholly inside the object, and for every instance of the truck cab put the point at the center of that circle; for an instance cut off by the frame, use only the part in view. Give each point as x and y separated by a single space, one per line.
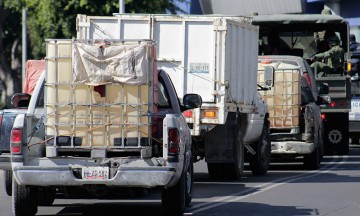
304 35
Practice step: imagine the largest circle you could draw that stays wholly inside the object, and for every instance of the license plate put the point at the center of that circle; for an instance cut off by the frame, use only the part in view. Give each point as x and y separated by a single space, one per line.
95 173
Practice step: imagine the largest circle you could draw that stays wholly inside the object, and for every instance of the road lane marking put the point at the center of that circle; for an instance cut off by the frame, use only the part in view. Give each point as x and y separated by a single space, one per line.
334 163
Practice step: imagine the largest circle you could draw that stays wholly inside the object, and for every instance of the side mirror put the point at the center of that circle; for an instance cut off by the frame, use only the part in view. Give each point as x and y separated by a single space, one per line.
269 76
324 89
20 100
191 101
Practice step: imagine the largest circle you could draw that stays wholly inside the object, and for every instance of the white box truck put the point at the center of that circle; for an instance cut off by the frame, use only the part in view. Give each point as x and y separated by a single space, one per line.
216 57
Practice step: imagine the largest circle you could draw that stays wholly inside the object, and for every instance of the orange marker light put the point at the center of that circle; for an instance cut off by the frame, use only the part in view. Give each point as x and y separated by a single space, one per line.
209 114
349 68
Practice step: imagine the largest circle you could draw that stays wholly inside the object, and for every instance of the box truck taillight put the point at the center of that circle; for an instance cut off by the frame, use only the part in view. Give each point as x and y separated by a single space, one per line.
174 141
323 116
15 141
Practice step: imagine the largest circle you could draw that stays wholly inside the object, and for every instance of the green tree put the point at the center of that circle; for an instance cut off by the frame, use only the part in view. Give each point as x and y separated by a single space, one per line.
54 19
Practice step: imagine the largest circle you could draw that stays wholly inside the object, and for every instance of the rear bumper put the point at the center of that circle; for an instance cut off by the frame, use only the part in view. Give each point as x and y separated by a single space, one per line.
292 147
51 173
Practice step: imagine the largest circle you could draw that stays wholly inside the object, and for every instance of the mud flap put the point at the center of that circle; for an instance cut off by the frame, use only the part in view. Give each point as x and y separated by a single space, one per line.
336 133
219 142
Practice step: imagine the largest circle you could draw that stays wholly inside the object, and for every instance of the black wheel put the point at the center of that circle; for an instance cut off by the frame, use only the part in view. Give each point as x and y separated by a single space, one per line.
260 162
24 200
234 170
8 181
173 199
189 183
46 196
312 161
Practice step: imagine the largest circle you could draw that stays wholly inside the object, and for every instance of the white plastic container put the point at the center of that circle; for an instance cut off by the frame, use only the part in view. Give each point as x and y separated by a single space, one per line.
284 98
103 115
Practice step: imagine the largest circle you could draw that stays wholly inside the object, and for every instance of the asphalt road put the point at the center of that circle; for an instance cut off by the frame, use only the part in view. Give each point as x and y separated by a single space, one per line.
287 189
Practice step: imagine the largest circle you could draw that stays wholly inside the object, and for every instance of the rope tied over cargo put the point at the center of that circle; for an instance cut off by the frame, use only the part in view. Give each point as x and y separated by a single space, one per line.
92 129
128 124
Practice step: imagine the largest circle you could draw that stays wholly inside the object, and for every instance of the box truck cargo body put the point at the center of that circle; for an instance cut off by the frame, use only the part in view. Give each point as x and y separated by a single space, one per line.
213 56
204 55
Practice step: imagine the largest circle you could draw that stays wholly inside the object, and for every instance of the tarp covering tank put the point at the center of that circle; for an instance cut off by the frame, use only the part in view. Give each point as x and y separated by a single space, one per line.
33 70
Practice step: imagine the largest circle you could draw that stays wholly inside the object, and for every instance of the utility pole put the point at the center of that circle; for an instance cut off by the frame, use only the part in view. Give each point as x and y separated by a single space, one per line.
121 6
24 47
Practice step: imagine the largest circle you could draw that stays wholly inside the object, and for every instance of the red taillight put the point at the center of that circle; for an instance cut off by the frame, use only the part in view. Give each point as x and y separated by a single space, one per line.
174 141
16 135
15 140
323 116
341 103
188 113
333 104
307 77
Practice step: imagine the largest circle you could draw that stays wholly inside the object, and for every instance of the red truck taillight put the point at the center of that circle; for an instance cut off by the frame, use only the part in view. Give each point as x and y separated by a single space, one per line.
15 146
188 114
174 141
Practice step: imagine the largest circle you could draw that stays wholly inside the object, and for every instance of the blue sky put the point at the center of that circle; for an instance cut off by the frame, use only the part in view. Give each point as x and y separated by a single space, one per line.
184 5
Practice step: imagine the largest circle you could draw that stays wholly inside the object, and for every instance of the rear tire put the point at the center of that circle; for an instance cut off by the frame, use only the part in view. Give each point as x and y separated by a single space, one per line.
176 198
260 162
312 161
24 199
189 179
234 170
46 196
8 181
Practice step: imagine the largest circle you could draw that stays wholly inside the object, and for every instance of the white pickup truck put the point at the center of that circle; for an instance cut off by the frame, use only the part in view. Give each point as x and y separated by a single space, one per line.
111 120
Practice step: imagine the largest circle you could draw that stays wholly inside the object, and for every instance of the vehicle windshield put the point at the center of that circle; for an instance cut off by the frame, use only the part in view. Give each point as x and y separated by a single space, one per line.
307 41
303 44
